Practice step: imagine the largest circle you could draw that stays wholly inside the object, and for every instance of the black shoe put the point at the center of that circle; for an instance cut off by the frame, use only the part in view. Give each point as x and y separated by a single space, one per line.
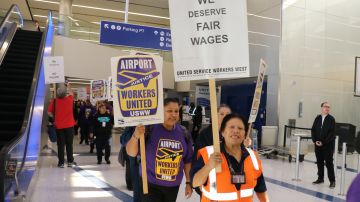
91 151
72 164
318 181
332 185
61 165
108 162
99 162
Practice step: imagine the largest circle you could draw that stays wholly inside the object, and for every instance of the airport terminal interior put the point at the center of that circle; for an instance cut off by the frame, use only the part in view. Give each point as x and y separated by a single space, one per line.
290 67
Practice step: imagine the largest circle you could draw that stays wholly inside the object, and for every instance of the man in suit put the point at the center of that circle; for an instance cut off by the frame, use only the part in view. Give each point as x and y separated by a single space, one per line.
323 135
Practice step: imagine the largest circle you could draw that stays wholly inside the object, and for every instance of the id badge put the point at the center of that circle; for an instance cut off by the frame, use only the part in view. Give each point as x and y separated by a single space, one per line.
103 124
238 178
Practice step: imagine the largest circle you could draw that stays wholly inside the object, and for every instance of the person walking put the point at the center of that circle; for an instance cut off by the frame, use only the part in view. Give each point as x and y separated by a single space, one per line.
323 136
101 129
241 172
168 155
61 109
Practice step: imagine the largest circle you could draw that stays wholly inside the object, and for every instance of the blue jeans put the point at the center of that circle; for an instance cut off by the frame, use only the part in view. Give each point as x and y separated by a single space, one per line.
134 170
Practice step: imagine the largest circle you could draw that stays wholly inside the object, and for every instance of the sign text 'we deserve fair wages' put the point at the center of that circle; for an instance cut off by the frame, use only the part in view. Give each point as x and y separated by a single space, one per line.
210 39
138 88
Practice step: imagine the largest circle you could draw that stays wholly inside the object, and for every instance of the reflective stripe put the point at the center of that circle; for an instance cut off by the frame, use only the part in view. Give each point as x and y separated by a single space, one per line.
253 158
214 195
212 174
219 196
246 192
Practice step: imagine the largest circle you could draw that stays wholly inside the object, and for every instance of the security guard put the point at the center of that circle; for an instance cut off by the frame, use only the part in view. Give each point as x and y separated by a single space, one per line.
241 172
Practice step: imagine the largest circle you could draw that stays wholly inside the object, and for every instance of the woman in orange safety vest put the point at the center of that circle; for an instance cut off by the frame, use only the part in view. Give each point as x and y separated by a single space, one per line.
241 170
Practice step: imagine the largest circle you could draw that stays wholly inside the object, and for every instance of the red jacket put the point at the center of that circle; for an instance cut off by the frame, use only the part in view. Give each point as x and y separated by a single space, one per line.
64 117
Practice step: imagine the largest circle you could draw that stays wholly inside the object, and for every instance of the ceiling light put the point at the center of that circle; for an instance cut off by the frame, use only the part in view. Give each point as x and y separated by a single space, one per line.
43 16
87 32
75 82
258 44
78 79
261 33
106 9
89 40
259 16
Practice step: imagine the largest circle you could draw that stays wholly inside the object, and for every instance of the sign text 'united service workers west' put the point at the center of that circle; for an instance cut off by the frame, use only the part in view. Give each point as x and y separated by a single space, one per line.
138 90
122 34
210 39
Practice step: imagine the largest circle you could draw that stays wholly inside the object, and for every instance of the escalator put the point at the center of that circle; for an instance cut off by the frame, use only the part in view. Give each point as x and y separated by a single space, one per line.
16 75
22 99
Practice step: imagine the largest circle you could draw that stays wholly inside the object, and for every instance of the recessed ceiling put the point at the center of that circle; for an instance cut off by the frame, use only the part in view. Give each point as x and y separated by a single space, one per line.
263 16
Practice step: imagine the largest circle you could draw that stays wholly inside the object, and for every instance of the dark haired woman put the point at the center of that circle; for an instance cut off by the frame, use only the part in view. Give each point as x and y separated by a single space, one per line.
241 172
168 155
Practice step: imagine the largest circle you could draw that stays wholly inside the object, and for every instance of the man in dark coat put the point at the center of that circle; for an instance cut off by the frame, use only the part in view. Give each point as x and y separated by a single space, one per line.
323 135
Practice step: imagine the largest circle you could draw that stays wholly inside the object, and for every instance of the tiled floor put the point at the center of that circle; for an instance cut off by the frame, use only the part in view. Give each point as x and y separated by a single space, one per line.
106 183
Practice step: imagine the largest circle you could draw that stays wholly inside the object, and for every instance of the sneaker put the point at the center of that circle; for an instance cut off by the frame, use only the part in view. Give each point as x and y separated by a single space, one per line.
108 162
318 181
72 164
332 185
61 165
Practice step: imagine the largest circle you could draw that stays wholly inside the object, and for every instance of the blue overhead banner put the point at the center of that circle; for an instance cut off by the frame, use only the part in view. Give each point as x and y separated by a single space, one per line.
122 34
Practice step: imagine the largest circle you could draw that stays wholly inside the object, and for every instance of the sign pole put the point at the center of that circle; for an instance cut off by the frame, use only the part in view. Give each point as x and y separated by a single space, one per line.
126 11
143 164
249 131
214 118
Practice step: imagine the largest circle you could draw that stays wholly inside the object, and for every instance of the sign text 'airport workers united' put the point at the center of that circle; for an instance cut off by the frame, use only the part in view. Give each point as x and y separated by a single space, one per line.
138 90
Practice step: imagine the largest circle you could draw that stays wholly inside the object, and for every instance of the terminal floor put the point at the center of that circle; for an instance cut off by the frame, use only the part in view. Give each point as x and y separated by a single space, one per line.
91 182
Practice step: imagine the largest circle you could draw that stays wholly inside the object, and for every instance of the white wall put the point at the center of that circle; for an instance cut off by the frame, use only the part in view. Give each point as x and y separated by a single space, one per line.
92 61
320 40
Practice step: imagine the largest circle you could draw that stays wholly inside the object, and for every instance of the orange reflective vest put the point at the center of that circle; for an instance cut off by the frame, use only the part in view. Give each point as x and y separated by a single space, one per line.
219 186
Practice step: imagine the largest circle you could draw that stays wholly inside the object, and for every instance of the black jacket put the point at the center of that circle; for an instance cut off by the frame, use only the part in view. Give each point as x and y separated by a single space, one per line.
102 125
326 133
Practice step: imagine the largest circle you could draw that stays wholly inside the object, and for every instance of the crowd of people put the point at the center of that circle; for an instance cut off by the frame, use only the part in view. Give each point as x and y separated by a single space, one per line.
95 123
170 157
173 153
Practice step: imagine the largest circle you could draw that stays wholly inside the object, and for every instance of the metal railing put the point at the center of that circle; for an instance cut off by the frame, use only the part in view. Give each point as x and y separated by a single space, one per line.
8 26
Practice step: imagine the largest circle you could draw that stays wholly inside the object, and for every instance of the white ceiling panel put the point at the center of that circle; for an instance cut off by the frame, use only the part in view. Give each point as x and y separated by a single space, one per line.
6 4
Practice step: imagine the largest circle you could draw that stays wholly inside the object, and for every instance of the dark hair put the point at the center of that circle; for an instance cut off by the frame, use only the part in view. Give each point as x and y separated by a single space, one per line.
223 106
322 104
234 116
168 100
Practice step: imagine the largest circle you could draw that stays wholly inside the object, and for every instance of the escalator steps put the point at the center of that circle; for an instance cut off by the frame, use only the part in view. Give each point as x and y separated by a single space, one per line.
16 76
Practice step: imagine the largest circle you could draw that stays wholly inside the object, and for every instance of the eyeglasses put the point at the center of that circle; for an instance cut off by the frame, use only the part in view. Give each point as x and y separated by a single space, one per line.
327 107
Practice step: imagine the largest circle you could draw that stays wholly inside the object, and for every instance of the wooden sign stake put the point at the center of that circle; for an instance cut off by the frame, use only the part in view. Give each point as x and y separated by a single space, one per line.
143 164
214 118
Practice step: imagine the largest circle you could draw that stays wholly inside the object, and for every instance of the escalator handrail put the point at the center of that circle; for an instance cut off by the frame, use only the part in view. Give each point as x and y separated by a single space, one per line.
6 39
13 8
25 129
